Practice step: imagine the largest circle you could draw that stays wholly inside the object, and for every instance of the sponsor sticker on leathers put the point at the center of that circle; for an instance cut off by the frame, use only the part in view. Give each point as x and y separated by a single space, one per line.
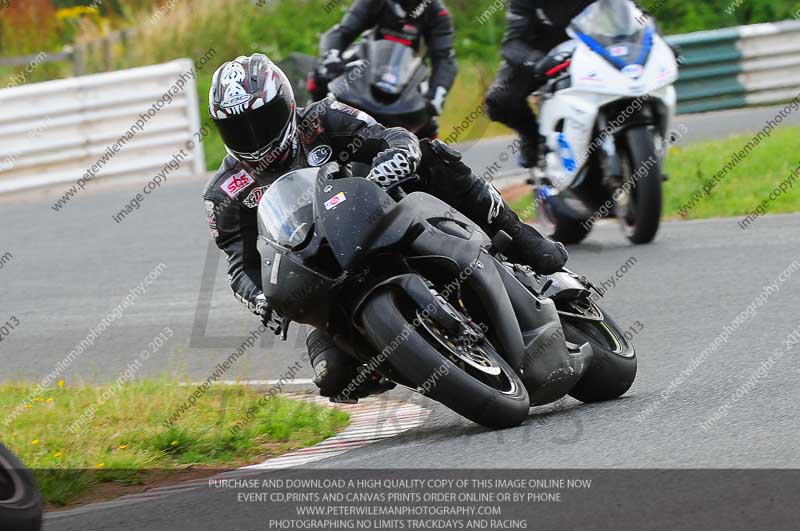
212 219
320 155
236 183
254 197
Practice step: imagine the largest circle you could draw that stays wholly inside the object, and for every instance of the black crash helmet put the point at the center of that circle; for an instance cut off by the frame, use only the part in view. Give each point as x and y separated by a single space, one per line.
252 104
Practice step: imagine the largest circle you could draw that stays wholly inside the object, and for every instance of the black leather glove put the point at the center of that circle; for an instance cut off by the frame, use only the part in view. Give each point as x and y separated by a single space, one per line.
432 109
269 317
435 99
393 165
332 65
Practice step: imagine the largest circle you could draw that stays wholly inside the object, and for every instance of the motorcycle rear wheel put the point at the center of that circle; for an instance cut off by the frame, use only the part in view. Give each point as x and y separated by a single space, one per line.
478 385
614 363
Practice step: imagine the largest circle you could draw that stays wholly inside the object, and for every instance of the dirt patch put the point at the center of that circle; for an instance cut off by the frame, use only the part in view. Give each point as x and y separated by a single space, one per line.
517 192
148 479
145 481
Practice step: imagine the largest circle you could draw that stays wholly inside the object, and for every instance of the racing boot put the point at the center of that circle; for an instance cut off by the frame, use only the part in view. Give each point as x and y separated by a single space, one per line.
529 247
444 175
528 156
338 376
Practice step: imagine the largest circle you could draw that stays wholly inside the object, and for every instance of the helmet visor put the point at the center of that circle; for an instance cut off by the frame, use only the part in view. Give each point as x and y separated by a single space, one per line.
254 134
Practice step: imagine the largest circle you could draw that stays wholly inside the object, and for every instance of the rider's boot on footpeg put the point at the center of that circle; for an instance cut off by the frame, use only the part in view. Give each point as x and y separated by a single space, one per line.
528 156
337 375
529 247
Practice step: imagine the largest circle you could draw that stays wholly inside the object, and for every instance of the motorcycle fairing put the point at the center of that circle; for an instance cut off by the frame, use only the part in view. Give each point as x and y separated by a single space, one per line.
622 60
527 329
286 281
568 118
406 107
393 67
551 366
353 212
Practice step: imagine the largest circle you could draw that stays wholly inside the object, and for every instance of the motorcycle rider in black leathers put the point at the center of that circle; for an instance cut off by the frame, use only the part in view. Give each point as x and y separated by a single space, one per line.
411 22
535 27
266 135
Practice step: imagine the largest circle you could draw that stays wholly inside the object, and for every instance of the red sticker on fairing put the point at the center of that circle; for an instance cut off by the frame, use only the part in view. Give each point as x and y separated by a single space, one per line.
335 201
236 183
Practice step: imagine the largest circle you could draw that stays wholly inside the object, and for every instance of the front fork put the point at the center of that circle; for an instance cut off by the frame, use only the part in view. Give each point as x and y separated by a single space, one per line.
610 163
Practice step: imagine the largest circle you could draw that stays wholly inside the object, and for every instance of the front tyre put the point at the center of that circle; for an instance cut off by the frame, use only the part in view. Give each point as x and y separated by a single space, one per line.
557 217
475 383
639 202
20 501
614 364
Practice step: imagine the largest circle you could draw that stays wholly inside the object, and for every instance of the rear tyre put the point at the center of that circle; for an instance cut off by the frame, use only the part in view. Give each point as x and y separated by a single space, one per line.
639 211
485 389
20 501
614 364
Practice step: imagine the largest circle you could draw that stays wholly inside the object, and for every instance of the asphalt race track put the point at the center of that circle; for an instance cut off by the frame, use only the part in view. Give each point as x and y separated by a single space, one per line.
73 267
684 289
70 269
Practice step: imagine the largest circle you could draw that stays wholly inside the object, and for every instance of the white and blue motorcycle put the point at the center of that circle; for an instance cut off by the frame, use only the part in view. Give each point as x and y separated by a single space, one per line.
605 115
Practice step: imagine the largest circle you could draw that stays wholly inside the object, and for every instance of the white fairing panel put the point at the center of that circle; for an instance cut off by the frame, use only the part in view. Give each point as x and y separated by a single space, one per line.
596 83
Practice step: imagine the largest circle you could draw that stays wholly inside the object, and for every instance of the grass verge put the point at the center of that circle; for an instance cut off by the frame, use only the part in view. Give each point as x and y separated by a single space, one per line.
743 188
466 100
79 440
521 201
740 192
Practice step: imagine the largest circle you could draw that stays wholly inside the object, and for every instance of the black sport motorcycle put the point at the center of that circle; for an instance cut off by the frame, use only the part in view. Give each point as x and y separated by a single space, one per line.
20 500
385 82
383 78
421 296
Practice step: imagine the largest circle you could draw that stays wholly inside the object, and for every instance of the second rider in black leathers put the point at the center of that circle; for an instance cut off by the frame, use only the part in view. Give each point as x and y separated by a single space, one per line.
411 22
534 28
266 135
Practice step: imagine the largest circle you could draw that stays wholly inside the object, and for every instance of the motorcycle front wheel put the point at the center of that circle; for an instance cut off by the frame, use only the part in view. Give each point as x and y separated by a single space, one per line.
639 202
472 379
556 217
20 501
